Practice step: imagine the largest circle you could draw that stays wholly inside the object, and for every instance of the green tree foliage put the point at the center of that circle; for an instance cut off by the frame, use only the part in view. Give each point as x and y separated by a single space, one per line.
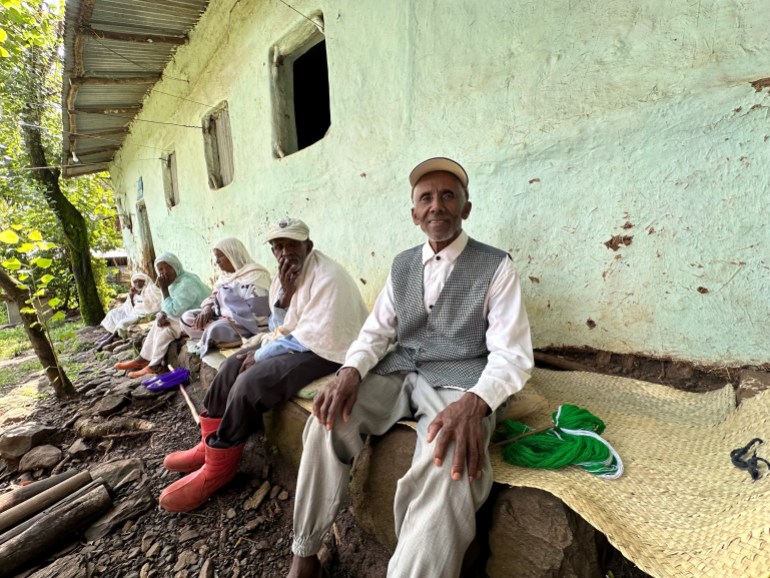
24 278
30 80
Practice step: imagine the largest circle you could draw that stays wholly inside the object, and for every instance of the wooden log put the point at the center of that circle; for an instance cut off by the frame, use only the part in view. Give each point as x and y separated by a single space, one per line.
19 528
38 503
17 496
554 361
64 521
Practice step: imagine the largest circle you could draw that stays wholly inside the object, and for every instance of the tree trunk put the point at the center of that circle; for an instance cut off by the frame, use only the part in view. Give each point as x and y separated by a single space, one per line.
73 224
39 340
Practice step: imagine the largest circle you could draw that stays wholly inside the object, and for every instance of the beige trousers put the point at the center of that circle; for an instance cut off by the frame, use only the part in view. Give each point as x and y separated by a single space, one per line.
435 516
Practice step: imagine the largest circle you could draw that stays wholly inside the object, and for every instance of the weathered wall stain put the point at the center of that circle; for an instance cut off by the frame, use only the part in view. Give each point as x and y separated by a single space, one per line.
618 241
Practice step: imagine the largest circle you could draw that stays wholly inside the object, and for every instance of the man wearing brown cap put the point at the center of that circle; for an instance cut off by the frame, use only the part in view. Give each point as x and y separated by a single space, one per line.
316 312
453 309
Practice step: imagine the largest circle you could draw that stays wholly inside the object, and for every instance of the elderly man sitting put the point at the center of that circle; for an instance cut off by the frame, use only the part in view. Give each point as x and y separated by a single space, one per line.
316 312
453 309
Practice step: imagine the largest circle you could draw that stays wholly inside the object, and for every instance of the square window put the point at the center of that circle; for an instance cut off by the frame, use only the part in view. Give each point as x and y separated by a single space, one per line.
170 184
300 88
218 147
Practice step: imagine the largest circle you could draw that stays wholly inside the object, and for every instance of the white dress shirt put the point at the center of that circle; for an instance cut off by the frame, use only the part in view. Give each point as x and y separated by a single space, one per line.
508 337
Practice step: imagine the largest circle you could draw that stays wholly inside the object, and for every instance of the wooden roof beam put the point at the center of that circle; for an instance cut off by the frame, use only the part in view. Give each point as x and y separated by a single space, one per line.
104 134
107 80
116 110
89 32
100 151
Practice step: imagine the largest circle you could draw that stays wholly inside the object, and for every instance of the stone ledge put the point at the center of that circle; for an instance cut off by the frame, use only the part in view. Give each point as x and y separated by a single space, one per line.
531 533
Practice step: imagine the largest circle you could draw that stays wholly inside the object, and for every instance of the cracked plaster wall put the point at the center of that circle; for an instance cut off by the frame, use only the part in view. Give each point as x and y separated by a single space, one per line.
617 150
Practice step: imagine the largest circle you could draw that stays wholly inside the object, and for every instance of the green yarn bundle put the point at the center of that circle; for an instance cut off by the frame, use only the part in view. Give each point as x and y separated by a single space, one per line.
573 440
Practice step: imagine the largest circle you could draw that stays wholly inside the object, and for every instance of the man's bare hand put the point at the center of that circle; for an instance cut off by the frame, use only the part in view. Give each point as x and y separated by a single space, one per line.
461 423
288 271
247 360
203 318
162 320
339 396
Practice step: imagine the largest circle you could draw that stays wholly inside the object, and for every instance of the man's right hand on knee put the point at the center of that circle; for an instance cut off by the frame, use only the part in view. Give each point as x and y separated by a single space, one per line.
339 396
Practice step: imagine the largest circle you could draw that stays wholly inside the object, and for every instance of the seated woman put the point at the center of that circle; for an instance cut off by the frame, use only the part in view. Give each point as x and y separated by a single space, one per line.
238 308
143 300
181 291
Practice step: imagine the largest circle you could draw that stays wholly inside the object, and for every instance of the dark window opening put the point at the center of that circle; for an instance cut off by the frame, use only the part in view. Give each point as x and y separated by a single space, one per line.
311 96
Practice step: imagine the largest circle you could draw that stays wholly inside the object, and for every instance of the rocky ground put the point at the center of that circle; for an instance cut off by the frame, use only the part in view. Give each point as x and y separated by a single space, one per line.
245 529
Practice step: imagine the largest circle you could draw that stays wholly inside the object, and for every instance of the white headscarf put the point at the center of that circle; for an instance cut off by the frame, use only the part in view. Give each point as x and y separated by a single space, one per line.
247 272
151 295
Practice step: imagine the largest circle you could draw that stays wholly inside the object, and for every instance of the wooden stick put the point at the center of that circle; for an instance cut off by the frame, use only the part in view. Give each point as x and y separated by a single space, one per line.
190 404
518 437
193 410
40 502
47 533
555 361
19 528
11 499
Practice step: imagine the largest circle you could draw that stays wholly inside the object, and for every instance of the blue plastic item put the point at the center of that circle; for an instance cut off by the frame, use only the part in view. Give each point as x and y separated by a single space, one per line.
167 380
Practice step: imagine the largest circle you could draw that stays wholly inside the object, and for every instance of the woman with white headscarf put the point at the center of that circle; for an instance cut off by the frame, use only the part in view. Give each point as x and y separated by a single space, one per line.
238 308
181 292
143 300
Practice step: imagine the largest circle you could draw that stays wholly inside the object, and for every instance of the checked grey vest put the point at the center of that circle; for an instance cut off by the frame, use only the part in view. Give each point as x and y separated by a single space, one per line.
448 347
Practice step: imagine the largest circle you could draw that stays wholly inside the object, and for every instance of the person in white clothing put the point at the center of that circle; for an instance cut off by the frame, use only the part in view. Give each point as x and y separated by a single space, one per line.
316 313
238 307
143 300
452 308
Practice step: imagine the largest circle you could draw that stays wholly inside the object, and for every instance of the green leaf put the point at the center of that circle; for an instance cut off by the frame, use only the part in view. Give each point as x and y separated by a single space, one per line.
45 245
40 292
42 262
25 247
55 302
4 53
16 227
35 236
3 35
44 280
9 237
57 316
12 264
27 310
22 286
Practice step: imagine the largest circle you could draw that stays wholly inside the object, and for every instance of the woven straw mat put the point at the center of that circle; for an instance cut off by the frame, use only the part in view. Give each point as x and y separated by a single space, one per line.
681 509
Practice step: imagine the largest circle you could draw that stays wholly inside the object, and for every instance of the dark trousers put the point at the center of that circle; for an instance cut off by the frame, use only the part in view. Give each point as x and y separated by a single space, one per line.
241 399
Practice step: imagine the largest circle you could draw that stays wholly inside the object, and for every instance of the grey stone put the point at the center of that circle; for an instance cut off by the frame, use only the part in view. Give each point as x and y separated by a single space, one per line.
533 534
128 508
109 405
41 457
118 473
258 497
78 447
185 559
18 440
207 570
751 383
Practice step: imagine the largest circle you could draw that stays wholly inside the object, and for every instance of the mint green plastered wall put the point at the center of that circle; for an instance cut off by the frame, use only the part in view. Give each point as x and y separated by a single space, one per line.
617 150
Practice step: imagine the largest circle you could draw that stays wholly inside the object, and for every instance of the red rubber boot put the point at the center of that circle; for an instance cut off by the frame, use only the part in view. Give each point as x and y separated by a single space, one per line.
192 459
194 489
